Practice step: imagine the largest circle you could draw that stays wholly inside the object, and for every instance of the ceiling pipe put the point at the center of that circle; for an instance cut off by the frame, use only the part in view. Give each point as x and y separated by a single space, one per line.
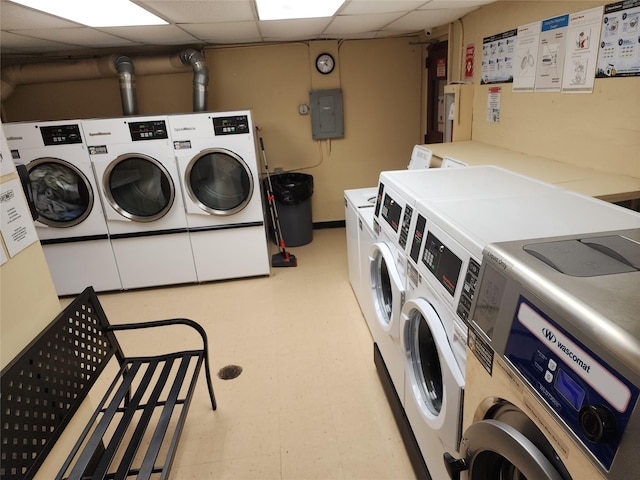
85 69
200 77
126 72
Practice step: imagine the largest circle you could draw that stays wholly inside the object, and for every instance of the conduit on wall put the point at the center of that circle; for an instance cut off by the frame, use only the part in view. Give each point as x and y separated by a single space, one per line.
101 67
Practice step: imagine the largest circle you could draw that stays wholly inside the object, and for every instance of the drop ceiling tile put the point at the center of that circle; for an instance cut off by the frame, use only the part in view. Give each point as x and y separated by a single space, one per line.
152 34
225 33
454 4
301 29
365 7
349 24
202 11
81 36
30 44
16 17
422 19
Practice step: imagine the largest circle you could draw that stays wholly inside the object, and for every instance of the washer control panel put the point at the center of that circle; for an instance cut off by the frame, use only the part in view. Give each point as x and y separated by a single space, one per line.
593 400
468 290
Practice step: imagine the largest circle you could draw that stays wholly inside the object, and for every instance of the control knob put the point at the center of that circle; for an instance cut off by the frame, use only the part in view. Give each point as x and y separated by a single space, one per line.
597 423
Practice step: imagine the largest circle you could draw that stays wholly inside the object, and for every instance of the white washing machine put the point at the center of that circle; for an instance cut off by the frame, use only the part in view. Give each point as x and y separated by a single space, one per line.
219 175
70 224
454 234
394 219
138 179
359 205
554 379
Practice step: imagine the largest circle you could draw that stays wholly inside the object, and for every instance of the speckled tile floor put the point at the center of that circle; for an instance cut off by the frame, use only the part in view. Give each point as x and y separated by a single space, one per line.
308 403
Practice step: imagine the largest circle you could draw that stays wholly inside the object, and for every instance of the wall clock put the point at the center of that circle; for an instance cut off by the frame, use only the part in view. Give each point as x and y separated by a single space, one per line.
325 63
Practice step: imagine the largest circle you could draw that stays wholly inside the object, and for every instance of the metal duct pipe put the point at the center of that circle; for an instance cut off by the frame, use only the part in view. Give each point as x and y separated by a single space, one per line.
200 77
126 71
69 70
85 69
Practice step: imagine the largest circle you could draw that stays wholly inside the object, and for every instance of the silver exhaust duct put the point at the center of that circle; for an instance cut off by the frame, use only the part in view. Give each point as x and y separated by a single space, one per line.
121 65
200 77
126 72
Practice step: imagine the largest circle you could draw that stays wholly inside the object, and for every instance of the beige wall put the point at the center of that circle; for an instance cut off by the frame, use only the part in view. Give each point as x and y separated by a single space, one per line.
600 130
28 300
380 80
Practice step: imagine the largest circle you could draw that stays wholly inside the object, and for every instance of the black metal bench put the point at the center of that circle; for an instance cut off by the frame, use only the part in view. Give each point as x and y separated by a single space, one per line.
135 429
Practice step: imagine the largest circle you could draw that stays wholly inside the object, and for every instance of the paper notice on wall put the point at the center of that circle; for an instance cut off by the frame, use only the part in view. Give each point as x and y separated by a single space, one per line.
619 54
497 57
3 256
16 224
493 105
583 36
551 53
526 57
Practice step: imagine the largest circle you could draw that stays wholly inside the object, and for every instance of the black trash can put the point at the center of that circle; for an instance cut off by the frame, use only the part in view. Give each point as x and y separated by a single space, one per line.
292 193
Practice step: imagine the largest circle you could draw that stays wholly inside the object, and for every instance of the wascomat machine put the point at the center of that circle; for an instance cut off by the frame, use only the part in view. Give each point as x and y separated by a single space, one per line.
553 381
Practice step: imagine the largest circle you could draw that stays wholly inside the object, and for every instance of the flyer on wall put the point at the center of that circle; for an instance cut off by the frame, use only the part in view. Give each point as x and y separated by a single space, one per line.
583 35
493 104
524 72
619 54
551 52
16 225
497 57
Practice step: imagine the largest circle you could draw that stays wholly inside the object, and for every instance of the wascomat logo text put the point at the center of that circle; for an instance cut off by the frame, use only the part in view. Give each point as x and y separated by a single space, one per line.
551 338
568 352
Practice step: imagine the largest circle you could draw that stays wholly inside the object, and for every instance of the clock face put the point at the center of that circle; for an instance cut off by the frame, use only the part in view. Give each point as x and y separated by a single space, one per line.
325 63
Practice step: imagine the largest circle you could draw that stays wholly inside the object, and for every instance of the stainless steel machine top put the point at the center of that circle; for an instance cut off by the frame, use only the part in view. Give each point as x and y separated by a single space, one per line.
565 313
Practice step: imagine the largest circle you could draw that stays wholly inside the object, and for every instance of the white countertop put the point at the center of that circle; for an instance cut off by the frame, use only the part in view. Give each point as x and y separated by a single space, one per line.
588 181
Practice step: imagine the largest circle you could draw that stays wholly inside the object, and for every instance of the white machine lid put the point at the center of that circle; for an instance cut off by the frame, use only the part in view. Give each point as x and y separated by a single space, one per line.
480 221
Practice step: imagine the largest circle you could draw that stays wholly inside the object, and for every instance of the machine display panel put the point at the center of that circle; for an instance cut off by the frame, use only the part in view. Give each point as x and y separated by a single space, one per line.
391 212
442 263
233 125
61 134
592 398
153 130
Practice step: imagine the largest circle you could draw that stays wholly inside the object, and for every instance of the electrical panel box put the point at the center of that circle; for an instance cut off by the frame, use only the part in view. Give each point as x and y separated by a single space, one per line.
327 117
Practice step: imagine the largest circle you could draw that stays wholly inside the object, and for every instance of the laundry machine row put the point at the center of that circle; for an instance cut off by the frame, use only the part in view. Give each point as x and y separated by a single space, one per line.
452 214
130 206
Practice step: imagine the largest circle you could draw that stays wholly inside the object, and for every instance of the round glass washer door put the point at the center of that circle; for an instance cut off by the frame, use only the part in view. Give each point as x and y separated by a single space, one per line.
425 361
219 181
61 193
508 445
139 187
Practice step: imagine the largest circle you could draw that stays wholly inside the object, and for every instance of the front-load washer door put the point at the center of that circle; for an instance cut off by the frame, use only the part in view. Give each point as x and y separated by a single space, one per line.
218 182
61 192
434 379
138 187
499 450
387 289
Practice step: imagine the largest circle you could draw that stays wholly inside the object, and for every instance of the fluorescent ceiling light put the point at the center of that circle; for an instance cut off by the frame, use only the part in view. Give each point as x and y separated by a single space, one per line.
95 13
287 9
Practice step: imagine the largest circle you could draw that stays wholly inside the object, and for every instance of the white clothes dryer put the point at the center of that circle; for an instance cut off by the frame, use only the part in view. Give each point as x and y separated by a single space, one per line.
219 174
136 172
70 223
455 232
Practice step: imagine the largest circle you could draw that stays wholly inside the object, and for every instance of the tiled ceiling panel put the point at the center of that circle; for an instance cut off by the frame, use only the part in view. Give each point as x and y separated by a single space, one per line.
200 23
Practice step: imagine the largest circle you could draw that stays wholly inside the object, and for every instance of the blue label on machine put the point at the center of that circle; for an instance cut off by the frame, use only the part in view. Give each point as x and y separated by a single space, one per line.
571 379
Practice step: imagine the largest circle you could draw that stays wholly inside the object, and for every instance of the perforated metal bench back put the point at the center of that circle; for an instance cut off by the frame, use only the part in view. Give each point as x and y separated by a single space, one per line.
46 383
